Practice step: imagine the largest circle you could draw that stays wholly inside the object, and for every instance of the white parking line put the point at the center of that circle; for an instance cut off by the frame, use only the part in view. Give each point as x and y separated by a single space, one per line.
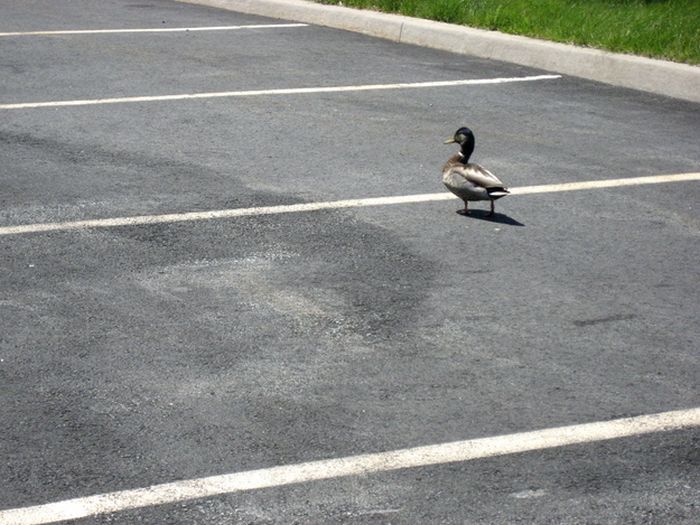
284 91
365 464
147 30
329 205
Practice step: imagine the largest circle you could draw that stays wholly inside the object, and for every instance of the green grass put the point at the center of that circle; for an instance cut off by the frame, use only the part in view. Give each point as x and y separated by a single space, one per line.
667 29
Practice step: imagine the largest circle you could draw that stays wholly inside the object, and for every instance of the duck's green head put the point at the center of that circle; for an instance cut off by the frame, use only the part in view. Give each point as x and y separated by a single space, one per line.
461 137
465 138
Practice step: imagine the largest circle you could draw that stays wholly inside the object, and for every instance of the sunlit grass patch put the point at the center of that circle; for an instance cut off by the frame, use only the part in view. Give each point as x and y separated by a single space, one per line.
668 29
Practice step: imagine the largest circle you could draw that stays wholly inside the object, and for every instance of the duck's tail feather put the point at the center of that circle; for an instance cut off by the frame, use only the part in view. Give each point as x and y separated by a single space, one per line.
497 192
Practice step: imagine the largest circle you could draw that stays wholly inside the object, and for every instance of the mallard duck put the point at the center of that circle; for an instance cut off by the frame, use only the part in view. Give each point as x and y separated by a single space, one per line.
469 181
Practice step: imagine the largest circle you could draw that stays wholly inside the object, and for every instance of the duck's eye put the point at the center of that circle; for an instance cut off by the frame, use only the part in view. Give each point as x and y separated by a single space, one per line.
460 138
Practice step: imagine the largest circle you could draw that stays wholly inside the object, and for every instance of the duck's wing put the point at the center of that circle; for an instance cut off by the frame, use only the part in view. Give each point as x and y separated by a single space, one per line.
456 180
478 176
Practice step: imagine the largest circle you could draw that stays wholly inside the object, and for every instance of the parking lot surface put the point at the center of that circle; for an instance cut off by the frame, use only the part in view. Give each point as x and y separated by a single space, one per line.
144 354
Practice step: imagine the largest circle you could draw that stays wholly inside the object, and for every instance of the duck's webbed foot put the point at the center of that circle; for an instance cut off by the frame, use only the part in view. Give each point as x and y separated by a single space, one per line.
493 210
465 211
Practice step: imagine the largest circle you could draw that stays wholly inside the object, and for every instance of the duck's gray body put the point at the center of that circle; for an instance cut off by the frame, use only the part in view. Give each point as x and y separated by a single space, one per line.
471 182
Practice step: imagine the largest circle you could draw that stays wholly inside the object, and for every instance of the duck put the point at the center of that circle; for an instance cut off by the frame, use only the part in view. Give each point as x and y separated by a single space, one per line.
467 180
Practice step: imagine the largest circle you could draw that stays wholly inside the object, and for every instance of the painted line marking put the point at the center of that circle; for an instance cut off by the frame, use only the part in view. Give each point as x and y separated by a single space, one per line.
284 91
147 30
606 183
458 451
329 205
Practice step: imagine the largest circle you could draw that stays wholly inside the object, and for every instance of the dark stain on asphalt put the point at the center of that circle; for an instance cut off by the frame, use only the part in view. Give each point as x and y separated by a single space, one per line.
601 320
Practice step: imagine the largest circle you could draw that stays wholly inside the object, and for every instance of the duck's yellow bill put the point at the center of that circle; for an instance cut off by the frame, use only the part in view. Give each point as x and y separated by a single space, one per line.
450 141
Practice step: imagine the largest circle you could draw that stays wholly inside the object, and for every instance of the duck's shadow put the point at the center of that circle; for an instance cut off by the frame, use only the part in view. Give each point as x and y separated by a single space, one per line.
498 218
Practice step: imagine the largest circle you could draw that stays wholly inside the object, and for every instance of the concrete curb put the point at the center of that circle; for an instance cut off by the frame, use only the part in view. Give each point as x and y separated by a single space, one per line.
655 76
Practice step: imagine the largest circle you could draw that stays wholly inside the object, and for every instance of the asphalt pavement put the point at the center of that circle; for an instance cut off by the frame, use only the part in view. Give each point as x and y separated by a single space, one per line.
132 356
